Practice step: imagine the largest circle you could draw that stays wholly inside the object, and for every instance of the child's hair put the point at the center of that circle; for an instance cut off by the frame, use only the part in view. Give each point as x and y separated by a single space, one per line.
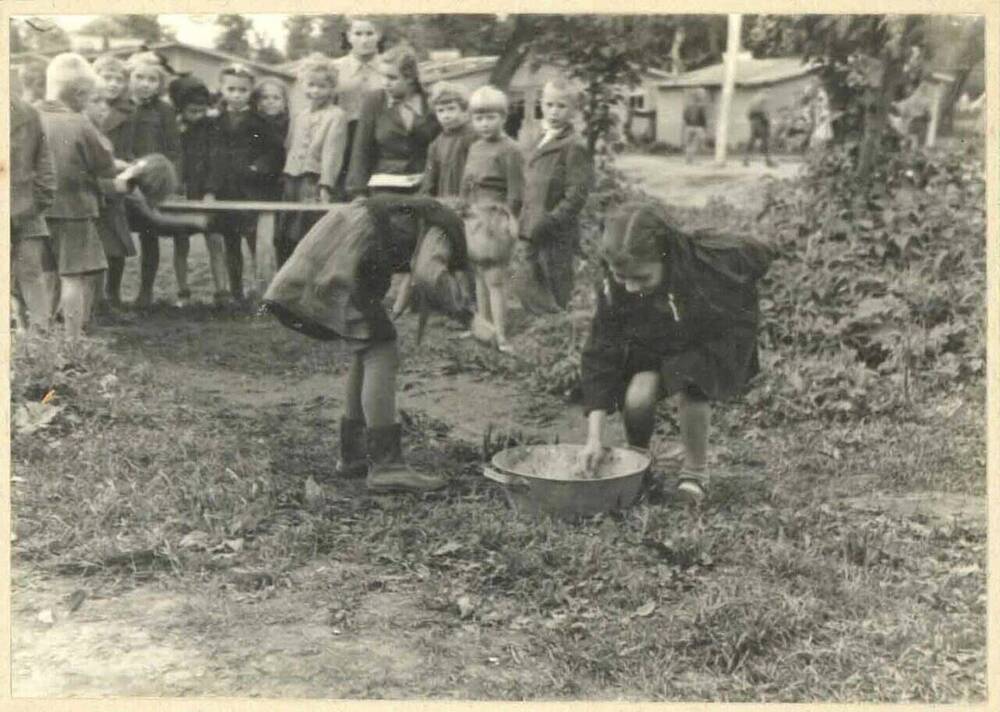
380 45
488 100
563 88
187 90
237 70
449 93
149 60
404 58
68 76
318 64
266 82
158 179
32 73
110 63
633 235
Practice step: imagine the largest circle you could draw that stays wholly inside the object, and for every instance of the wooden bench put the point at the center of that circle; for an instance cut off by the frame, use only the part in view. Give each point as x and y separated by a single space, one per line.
265 262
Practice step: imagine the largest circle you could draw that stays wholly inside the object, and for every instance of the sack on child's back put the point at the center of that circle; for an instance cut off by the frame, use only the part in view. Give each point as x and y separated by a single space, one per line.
490 234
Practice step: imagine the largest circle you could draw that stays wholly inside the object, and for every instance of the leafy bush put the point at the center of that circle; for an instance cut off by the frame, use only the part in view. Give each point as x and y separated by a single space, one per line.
876 300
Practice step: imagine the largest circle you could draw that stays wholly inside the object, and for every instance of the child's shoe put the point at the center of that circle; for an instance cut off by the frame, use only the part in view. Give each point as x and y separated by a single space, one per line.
691 486
353 449
183 299
505 347
389 471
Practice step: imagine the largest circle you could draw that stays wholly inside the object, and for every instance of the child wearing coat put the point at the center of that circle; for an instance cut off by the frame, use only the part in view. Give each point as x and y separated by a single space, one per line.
240 140
82 160
447 154
151 128
317 140
558 174
493 187
192 101
333 287
677 314
32 188
269 101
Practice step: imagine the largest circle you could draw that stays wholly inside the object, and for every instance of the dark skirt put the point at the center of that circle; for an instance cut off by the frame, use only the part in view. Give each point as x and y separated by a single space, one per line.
719 370
77 244
115 233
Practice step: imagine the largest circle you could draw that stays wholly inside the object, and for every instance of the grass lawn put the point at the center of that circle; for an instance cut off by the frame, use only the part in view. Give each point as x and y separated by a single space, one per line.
177 533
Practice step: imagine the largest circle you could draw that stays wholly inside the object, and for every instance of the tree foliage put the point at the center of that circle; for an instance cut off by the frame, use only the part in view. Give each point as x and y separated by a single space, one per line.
39 34
235 35
146 28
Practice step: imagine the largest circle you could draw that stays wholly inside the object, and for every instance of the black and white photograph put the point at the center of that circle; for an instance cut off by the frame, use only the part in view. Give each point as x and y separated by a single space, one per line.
499 357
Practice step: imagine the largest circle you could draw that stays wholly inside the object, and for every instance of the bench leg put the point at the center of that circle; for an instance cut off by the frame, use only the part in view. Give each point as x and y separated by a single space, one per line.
266 263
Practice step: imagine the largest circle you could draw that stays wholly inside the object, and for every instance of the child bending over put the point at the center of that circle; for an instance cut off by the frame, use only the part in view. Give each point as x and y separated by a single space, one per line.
676 315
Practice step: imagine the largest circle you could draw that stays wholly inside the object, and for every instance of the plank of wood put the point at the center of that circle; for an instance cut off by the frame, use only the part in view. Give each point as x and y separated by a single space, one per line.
270 206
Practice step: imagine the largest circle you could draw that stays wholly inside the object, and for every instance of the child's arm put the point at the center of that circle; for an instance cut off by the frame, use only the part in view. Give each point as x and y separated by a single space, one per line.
96 154
429 185
603 357
579 174
45 174
332 156
515 179
362 158
172 139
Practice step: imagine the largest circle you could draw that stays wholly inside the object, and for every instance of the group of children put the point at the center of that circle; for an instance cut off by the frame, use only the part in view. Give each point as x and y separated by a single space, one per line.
676 314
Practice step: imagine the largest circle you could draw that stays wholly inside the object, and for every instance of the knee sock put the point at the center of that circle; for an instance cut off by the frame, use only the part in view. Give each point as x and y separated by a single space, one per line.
378 390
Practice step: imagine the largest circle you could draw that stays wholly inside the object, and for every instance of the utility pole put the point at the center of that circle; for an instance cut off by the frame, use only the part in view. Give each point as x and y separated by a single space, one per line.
728 82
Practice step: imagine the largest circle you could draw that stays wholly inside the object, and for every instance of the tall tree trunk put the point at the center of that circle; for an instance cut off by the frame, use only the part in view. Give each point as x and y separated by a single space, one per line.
879 97
514 52
676 62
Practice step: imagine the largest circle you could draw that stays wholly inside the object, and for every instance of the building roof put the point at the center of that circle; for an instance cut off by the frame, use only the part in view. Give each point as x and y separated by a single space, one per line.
226 57
749 72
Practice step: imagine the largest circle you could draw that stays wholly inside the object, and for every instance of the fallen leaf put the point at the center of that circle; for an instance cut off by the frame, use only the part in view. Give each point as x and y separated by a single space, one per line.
646 609
46 616
314 493
195 540
76 600
465 606
447 548
30 417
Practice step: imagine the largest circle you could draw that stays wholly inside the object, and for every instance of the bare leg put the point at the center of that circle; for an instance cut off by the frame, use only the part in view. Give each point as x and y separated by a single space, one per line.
640 408
182 248
217 260
378 392
116 270
31 280
483 297
494 279
92 288
353 409
694 414
73 302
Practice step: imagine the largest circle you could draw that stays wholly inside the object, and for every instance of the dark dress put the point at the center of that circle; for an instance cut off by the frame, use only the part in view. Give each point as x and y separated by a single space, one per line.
383 144
196 149
697 330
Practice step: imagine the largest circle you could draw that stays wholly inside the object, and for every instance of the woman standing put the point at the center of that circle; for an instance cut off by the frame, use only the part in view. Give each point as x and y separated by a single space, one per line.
395 126
357 74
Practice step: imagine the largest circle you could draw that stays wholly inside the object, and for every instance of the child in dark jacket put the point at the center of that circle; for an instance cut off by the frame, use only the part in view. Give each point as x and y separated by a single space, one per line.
448 152
32 187
240 140
333 287
151 128
558 175
192 100
82 160
270 101
116 126
676 315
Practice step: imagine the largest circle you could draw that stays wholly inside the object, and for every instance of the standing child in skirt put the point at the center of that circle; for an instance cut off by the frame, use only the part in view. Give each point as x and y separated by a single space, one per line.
192 100
32 188
81 160
240 140
557 181
493 187
151 128
676 315
270 101
333 287
317 140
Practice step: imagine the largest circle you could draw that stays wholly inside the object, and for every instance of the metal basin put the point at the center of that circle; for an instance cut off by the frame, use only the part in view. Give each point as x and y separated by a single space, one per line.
546 479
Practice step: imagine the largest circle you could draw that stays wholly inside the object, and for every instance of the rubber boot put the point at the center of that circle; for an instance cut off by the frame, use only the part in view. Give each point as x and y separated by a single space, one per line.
353 449
388 471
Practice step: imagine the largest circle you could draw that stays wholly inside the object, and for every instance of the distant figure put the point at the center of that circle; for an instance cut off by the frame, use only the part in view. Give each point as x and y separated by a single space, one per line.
822 119
695 123
760 128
